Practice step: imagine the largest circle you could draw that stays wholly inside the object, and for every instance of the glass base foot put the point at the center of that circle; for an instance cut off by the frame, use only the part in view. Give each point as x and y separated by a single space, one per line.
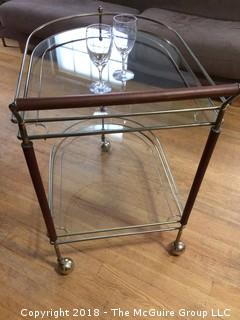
100 87
121 75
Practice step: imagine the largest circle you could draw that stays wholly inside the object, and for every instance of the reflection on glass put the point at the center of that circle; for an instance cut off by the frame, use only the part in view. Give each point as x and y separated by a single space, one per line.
99 44
73 58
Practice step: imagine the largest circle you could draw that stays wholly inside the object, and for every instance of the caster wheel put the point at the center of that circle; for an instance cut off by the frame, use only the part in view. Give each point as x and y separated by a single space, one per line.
65 266
177 248
106 146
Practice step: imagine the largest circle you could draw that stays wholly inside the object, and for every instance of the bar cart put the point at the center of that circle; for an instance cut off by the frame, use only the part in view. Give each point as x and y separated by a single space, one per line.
105 141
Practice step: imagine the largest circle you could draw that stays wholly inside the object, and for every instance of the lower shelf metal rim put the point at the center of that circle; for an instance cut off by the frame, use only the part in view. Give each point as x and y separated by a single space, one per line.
115 235
148 225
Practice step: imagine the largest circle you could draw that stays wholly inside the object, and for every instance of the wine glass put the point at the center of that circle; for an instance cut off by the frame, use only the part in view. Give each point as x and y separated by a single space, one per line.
99 44
124 35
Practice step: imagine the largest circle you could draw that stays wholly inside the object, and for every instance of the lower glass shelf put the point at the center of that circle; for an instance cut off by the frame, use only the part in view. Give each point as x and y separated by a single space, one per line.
107 186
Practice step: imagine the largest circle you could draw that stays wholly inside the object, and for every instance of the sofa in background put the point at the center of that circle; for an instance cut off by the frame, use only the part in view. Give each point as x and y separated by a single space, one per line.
18 18
211 28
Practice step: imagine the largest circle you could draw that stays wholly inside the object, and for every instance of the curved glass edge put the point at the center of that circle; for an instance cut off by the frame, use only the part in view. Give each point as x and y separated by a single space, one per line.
26 65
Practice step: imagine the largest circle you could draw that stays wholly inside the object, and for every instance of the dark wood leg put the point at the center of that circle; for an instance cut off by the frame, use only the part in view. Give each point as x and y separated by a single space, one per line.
4 42
65 265
178 246
202 167
39 188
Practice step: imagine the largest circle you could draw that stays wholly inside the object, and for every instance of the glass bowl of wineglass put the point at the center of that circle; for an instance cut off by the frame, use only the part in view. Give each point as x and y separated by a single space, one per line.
124 35
99 44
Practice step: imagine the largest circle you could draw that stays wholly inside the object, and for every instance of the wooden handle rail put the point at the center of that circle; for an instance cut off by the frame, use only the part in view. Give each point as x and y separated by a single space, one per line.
131 97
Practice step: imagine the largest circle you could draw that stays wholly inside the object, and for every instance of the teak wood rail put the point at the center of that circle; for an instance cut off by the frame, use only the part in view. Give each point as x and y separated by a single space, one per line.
133 97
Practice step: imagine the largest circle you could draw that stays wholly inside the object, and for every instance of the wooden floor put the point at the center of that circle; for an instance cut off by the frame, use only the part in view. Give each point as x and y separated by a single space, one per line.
129 272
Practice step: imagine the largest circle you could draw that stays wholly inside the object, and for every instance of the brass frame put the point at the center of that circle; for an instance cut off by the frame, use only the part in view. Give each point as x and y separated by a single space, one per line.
20 105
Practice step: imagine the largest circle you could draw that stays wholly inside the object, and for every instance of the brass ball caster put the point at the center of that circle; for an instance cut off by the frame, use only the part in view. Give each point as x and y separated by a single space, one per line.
65 266
177 248
106 146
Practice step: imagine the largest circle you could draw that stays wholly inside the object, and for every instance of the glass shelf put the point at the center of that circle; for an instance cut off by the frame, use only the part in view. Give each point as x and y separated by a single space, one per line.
127 189
60 66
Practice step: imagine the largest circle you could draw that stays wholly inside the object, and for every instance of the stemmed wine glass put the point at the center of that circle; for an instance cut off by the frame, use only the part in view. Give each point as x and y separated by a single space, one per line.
124 35
99 44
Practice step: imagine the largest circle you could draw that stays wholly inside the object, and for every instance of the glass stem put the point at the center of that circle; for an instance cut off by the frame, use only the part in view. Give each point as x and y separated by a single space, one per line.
100 70
124 68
